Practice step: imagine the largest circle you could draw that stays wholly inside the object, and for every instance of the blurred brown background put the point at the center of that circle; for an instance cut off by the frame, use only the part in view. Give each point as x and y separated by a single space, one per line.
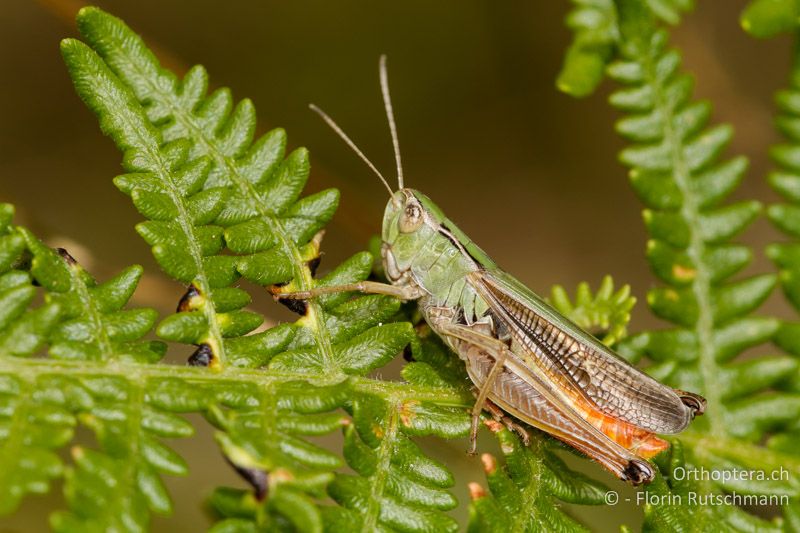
529 173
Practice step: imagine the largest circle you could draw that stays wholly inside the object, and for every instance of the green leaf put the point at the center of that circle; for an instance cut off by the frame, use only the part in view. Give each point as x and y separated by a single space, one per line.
767 18
605 314
675 503
222 205
594 28
524 493
389 492
677 171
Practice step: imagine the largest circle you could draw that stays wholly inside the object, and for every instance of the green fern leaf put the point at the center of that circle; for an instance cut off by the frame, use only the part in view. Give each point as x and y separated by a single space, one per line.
93 324
767 18
32 426
676 171
23 331
391 491
606 314
594 26
196 165
166 186
28 461
596 34
526 491
118 483
264 442
677 504
785 182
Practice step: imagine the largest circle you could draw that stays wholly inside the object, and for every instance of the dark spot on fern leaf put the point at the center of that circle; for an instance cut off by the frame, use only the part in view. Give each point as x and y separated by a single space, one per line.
298 306
24 262
202 356
408 354
185 303
258 479
314 264
65 255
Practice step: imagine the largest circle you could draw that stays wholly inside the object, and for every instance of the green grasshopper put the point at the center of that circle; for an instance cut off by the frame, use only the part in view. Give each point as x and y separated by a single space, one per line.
524 358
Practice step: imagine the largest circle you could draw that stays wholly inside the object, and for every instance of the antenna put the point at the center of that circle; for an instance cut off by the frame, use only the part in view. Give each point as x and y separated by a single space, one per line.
387 102
335 127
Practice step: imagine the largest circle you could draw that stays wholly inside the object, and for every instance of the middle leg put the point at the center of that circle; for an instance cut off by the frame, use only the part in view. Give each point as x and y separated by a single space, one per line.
492 346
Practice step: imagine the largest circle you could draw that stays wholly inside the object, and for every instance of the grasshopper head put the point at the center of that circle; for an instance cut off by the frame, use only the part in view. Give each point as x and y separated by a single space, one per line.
414 227
406 215
409 222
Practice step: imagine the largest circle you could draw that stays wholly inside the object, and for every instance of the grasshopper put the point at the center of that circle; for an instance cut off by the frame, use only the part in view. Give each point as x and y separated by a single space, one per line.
524 358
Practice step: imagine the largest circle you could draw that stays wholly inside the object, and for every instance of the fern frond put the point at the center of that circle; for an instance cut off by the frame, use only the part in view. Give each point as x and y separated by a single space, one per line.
677 173
166 187
23 330
596 34
397 486
191 143
118 483
675 503
264 441
594 27
93 324
32 426
764 20
605 314
767 18
526 492
265 223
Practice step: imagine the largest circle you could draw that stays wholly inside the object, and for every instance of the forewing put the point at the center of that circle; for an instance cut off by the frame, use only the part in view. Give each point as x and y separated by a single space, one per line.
576 361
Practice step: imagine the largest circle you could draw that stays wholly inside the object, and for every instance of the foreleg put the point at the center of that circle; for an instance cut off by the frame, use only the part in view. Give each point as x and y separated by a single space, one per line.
403 292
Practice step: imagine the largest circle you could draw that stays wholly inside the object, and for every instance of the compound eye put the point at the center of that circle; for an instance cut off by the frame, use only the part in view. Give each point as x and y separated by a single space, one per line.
411 219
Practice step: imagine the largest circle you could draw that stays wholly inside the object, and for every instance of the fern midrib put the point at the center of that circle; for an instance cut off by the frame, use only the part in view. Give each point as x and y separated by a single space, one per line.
269 408
32 368
184 221
209 309
302 274
528 514
134 434
90 310
385 451
13 445
701 285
